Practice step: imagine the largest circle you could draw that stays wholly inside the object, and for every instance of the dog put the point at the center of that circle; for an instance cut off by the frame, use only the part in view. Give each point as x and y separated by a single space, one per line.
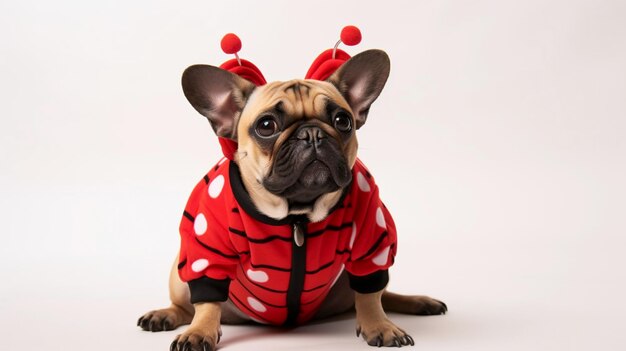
292 229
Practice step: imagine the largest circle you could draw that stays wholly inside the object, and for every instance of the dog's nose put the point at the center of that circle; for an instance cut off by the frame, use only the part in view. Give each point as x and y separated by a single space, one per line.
312 135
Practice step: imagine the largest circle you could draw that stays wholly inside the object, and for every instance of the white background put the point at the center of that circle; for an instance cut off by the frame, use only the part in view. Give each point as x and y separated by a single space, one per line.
499 146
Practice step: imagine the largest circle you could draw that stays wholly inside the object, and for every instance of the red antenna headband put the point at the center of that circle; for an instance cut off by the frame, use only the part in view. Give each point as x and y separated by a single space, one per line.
323 67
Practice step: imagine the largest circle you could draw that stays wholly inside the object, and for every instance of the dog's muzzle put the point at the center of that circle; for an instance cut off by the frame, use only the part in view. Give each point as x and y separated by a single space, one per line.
310 163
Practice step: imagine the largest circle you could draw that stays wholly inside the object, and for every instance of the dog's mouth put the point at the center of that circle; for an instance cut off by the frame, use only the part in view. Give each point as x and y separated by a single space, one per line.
303 186
316 174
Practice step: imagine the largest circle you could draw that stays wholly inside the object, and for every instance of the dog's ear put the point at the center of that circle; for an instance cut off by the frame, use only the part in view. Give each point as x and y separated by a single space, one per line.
218 95
361 79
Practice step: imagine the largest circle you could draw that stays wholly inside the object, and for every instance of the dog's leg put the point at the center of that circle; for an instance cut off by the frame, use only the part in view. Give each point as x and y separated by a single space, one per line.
412 304
373 324
204 332
180 312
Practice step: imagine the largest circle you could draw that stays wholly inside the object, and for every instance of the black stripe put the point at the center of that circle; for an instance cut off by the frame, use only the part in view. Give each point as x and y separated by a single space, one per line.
322 267
235 210
182 263
237 231
257 241
278 237
246 307
214 250
268 239
206 178
375 246
283 291
296 280
257 284
188 215
258 298
329 228
342 252
270 267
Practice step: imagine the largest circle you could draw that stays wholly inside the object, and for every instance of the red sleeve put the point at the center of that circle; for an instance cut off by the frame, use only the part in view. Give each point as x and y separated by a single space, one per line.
208 259
374 244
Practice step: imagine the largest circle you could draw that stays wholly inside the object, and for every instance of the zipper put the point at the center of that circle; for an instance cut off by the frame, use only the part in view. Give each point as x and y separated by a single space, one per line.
298 235
298 271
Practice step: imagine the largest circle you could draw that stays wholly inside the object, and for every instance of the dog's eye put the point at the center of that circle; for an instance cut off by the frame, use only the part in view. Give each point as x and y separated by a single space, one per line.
266 127
343 122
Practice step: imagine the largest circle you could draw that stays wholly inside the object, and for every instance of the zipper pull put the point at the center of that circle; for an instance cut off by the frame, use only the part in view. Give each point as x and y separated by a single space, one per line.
298 235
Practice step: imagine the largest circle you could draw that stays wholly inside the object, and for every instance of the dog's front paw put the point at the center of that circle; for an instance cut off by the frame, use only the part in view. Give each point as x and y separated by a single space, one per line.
196 339
383 333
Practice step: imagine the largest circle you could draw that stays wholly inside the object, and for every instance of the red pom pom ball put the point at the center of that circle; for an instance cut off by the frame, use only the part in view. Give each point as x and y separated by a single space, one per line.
231 44
350 35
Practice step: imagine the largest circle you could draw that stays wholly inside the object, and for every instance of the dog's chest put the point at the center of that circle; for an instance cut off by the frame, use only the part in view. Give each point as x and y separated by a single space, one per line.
277 272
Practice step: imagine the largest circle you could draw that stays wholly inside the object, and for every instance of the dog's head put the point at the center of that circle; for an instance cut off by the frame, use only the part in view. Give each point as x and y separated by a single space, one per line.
296 139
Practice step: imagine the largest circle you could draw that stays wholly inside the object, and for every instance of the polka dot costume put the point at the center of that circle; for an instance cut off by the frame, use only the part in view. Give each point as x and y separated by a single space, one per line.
231 250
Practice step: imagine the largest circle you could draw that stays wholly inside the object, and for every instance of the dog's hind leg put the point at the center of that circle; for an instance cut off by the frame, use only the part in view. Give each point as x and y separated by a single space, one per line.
341 299
180 312
412 304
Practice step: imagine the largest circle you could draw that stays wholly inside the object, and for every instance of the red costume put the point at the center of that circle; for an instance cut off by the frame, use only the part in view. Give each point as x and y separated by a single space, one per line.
225 239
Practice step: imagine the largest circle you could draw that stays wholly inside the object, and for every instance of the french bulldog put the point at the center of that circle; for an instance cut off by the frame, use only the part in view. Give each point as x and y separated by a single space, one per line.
292 229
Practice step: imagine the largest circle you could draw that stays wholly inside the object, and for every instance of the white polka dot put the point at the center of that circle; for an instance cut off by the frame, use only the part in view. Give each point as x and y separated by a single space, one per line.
199 224
353 235
380 218
338 275
257 276
215 188
256 304
199 265
382 257
363 184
